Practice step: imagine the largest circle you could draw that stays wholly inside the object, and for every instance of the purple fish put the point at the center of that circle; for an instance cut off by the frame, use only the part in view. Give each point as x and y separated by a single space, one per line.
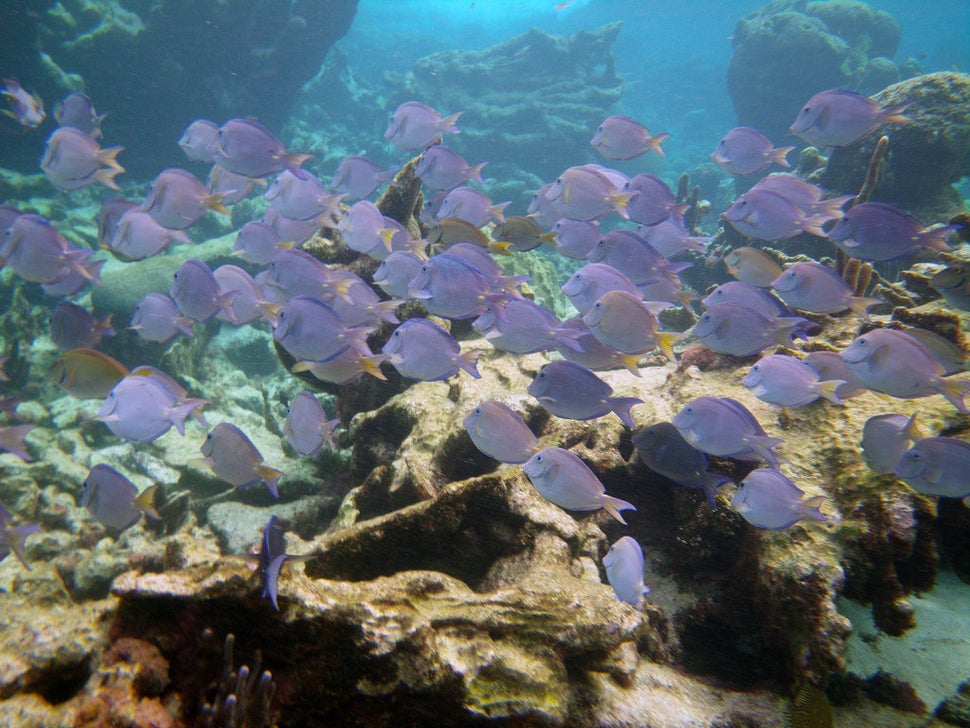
140 409
169 383
543 209
198 141
26 109
40 254
416 126
12 538
766 498
111 211
360 304
272 556
472 206
816 288
571 391
651 201
197 294
587 285
623 322
829 365
524 327
626 251
297 273
788 382
594 354
451 287
396 272
74 327
310 330
177 200
258 243
671 238
885 438
620 137
293 231
114 500
359 177
731 328
665 451
501 433
804 195
12 441
301 198
138 236
249 304
584 193
248 148
744 151
837 118
229 186
937 466
747 294
77 110
724 427
348 366
624 570
878 232
306 427
442 169
157 318
420 349
768 216
233 458
900 365
562 478
364 229
575 238
73 160
488 267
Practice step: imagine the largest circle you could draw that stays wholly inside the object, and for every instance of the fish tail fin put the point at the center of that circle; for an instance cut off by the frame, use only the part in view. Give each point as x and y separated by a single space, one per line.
498 211
447 123
620 200
214 203
780 156
832 207
811 508
372 365
224 301
104 325
16 537
894 114
911 431
329 427
621 407
12 441
270 476
468 361
109 158
549 238
710 482
762 445
510 284
860 305
955 390
184 324
936 238
654 142
613 506
666 341
499 247
814 225
146 501
178 413
828 389
387 235
475 173
384 311
294 162
106 176
632 363
570 339
270 312
271 580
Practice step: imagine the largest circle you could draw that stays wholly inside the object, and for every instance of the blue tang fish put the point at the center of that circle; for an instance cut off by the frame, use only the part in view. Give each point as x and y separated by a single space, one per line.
744 151
233 458
769 499
571 391
416 126
837 118
246 147
725 427
114 500
77 110
789 382
306 427
420 349
141 409
816 288
620 137
665 451
885 438
624 569
500 432
937 466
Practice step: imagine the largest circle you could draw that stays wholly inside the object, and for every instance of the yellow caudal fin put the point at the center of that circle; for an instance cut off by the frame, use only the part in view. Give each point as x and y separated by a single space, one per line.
146 501
214 203
780 156
654 143
499 247
620 200
666 341
828 390
107 176
372 365
109 157
955 390
632 363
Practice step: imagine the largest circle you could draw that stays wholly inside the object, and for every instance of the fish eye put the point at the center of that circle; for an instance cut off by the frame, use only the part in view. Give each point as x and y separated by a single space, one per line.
538 458
806 109
208 436
477 411
914 455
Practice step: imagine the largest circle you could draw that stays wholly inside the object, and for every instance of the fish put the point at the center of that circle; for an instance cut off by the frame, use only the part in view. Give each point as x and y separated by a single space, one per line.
114 500
38 253
198 141
451 287
108 216
416 126
575 238
246 147
743 151
306 427
724 427
486 264
197 294
571 391
233 458
747 294
522 234
804 195
829 365
293 231
310 330
365 230
500 432
169 383
359 177
250 303
523 326
440 168
73 160
731 328
138 236
639 261
670 238
13 538
837 118
86 373
348 366
141 409
789 382
816 288
396 272
157 318
898 364
665 451
750 265
77 110
651 201
953 284
766 215
562 478
12 441
624 570
272 556
620 137
177 200
472 206
295 272
26 109
584 193
594 354
420 349
72 279
445 233
256 242
228 186
623 322
74 327
587 285
876 231
937 466
885 438
767 498
542 208
301 198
